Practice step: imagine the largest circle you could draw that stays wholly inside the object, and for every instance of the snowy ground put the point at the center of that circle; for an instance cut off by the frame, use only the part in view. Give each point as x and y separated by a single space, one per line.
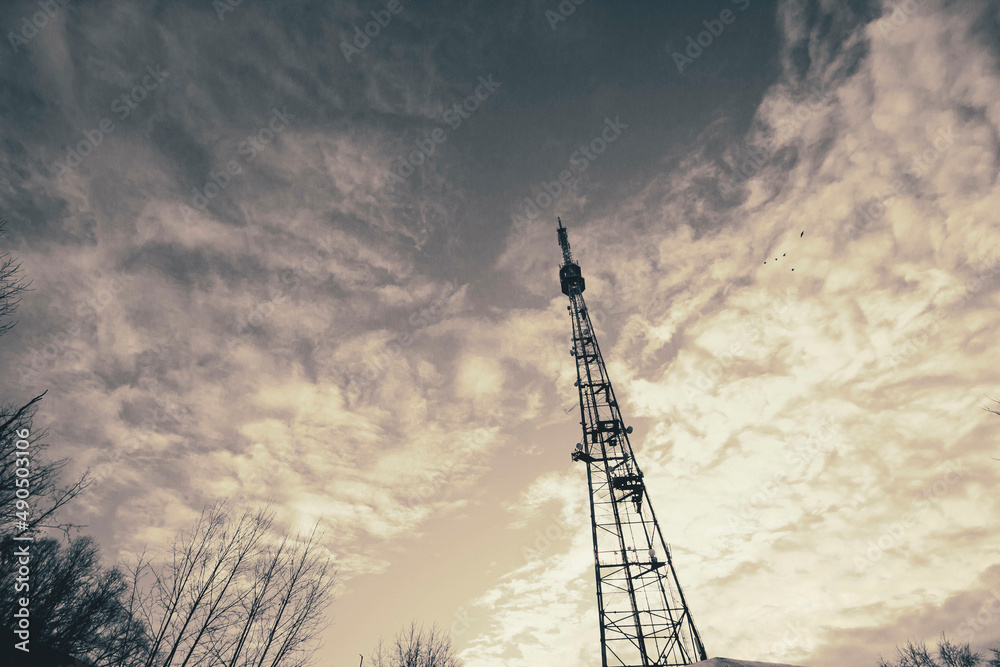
726 662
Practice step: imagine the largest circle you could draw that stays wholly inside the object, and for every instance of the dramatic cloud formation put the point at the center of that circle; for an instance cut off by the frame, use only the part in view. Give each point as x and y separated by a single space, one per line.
269 266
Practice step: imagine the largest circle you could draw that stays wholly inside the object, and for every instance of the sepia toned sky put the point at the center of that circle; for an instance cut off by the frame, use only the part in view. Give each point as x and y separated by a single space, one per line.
244 287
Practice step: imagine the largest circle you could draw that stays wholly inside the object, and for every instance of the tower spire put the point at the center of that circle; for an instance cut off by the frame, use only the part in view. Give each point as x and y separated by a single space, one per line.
569 273
564 243
644 619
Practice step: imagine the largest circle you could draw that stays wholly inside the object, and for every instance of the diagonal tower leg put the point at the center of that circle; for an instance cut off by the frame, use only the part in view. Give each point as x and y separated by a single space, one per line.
644 618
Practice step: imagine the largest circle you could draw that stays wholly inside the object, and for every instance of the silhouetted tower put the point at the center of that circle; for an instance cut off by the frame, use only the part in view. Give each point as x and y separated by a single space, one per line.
644 618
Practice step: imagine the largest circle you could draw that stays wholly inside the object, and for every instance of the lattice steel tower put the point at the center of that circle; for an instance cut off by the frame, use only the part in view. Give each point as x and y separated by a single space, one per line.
644 618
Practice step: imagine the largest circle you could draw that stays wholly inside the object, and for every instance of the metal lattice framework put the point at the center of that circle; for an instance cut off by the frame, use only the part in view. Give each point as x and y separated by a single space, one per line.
643 616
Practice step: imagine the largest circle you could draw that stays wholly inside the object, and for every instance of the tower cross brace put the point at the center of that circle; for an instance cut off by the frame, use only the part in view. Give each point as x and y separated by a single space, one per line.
644 619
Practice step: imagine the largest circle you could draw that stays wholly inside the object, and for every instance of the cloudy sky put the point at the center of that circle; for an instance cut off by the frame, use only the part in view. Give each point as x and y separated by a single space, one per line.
271 258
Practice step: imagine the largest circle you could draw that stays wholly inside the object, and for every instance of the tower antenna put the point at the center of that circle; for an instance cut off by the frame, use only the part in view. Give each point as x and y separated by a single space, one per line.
644 619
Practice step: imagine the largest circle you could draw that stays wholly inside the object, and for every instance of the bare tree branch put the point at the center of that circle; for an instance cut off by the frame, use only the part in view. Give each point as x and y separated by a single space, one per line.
12 285
232 595
995 410
416 647
949 655
44 474
47 496
77 605
23 409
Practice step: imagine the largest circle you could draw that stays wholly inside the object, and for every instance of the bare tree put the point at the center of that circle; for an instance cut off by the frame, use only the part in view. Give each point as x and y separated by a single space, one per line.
47 497
12 285
231 594
995 410
416 647
75 602
949 655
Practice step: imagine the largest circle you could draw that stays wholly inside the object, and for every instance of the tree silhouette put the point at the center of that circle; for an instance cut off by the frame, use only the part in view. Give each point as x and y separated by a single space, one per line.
46 497
233 595
73 600
416 647
12 285
949 655
76 604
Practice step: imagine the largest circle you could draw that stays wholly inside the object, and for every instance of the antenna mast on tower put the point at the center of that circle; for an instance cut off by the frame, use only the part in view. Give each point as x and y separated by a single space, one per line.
644 619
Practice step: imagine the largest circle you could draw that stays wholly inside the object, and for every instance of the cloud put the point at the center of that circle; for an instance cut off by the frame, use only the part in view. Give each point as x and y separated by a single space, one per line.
800 417
534 612
395 363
